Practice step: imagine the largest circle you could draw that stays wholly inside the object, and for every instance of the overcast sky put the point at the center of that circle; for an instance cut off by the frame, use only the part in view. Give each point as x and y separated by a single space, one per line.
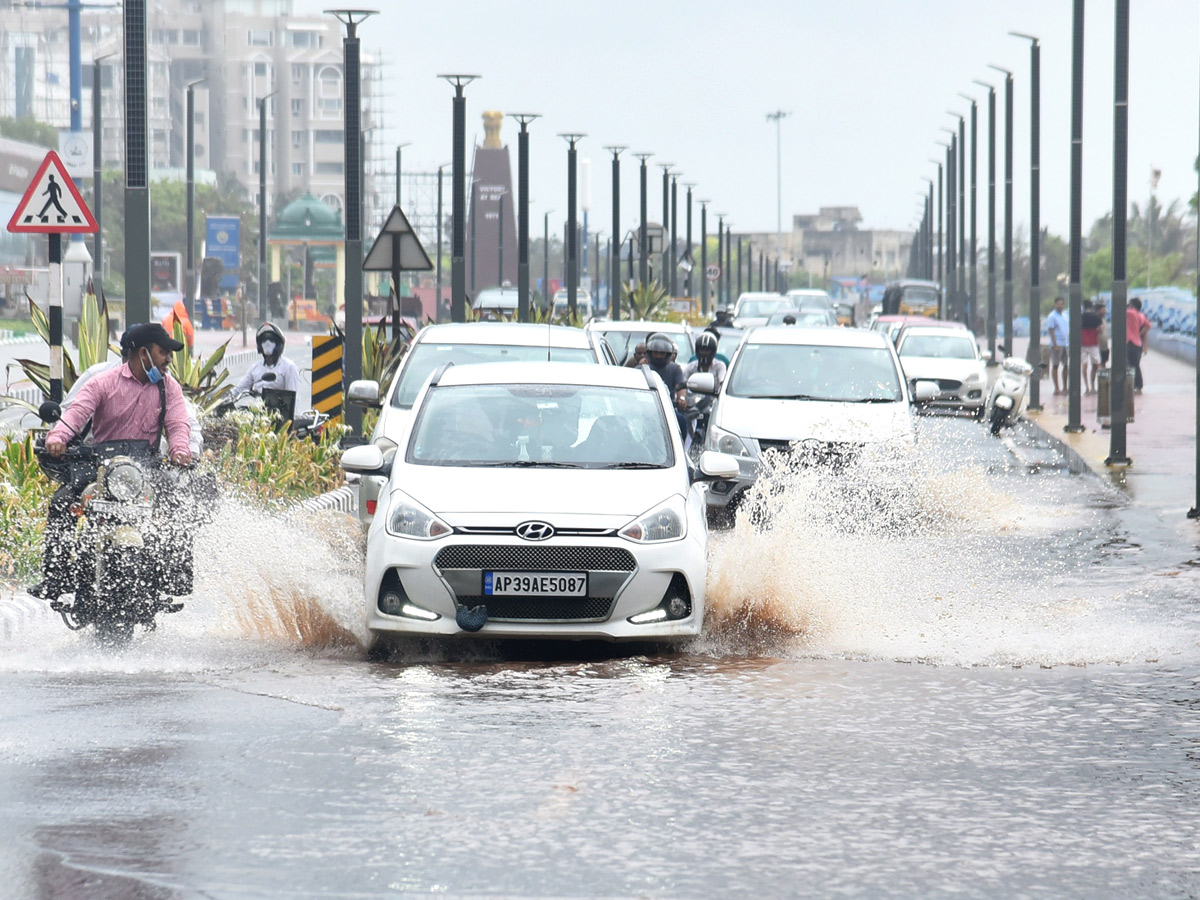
867 84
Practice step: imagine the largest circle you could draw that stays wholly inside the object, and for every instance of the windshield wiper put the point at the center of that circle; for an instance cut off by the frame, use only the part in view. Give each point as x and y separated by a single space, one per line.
633 465
534 464
874 400
786 397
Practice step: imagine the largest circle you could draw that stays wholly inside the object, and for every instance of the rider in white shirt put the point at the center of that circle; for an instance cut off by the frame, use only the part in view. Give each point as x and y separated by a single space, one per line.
274 370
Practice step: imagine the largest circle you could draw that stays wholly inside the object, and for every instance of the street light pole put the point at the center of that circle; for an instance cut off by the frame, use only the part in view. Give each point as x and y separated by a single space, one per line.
189 296
666 221
721 299
572 138
614 287
1035 227
687 284
458 204
1008 207
437 303
643 256
991 264
973 260
1075 285
674 234
777 117
951 225
941 255
704 256
262 208
522 216
1117 455
546 263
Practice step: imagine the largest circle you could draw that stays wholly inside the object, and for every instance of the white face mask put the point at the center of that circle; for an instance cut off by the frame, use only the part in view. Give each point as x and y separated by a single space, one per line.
268 347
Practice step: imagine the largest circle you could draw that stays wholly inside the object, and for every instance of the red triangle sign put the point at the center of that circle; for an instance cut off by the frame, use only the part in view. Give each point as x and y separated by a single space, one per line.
52 204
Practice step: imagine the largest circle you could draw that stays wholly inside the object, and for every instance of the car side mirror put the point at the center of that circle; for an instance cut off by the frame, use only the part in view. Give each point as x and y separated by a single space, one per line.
702 383
924 391
365 460
363 393
714 466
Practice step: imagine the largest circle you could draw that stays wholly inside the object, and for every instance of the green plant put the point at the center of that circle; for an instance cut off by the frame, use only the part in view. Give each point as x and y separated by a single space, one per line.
381 355
202 381
267 463
24 495
647 301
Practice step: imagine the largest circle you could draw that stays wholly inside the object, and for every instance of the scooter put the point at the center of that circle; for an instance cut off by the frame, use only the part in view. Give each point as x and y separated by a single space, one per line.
1010 394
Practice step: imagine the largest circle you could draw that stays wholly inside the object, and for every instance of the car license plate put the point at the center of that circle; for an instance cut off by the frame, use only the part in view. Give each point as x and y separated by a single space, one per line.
535 584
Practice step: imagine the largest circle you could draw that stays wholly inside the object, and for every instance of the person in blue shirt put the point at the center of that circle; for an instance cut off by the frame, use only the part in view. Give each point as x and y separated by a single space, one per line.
1058 328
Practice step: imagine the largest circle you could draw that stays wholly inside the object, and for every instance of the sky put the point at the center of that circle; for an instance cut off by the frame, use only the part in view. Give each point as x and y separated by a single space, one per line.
867 84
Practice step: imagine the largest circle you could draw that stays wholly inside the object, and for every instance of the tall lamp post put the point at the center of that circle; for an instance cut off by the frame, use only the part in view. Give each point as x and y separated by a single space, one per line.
777 117
522 216
667 262
1075 286
189 296
687 284
1008 207
262 210
458 203
991 264
614 287
704 256
973 258
951 223
1035 226
643 256
437 303
98 165
1117 455
674 234
546 262
721 301
941 255
572 138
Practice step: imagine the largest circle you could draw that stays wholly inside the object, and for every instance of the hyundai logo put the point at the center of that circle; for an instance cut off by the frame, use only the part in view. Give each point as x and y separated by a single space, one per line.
535 531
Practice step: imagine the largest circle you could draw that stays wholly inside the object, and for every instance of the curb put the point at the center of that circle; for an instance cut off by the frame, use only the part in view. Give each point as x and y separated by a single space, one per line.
1085 450
18 612
343 499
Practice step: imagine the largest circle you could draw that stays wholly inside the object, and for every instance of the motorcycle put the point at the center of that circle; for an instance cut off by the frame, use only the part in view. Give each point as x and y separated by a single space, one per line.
698 410
282 405
130 557
1009 394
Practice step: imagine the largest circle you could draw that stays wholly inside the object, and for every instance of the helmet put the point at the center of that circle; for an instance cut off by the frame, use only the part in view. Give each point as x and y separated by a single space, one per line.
706 344
268 332
722 311
659 343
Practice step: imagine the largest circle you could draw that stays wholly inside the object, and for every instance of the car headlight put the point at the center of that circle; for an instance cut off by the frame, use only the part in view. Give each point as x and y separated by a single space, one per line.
975 377
124 481
666 522
726 442
408 518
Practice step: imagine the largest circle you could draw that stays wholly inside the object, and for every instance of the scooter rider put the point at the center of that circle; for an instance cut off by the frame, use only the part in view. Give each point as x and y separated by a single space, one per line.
274 370
706 359
130 402
659 350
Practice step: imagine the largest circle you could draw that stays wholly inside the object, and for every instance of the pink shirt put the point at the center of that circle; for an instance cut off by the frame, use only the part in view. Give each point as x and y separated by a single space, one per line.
122 408
1135 319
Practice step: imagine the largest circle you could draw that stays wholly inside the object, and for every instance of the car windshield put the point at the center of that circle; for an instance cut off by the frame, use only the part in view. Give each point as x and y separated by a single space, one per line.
936 346
623 343
761 308
541 425
815 372
802 316
920 297
427 356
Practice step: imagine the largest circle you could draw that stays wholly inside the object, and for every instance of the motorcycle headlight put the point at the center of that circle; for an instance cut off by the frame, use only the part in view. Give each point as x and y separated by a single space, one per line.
726 442
408 518
124 481
666 522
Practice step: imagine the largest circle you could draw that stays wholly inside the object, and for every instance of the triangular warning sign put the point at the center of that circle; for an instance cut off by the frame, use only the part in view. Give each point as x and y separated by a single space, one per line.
397 242
52 204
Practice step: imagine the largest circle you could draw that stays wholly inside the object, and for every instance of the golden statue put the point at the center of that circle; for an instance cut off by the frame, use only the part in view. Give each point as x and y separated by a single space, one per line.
491 129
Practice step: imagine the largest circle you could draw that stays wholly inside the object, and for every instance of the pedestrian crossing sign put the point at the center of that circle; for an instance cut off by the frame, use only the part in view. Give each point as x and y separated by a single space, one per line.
52 204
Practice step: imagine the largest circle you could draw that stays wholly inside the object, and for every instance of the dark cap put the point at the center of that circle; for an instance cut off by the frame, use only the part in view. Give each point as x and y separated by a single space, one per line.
153 333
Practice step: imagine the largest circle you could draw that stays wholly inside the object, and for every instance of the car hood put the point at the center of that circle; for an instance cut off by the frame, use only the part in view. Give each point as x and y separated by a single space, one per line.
794 420
924 367
483 497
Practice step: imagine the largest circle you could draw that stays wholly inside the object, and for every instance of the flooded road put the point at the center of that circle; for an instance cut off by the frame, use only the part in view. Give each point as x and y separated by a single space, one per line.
966 680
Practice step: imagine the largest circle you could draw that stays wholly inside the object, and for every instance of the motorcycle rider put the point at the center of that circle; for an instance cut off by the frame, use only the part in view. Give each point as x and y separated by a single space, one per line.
274 370
659 350
130 402
722 318
706 359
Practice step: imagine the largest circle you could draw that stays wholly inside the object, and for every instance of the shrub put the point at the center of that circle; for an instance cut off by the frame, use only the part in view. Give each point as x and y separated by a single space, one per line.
24 496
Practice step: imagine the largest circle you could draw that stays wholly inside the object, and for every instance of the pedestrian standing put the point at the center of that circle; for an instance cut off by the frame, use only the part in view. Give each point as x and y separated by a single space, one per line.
1089 343
1058 328
1136 326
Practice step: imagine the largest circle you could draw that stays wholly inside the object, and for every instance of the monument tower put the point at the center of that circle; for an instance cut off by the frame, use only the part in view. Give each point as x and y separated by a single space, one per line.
491 213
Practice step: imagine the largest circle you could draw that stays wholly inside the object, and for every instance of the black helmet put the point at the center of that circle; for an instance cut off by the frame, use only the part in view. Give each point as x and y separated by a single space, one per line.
659 343
706 344
268 332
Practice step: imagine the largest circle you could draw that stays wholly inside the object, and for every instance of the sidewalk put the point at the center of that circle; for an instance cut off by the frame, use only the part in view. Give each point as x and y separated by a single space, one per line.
1161 441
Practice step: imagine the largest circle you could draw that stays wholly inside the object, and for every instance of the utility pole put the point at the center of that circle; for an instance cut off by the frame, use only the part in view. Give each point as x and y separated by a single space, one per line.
777 117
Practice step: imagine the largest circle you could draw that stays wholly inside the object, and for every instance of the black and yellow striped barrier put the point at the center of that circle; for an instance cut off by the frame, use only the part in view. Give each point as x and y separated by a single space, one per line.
327 375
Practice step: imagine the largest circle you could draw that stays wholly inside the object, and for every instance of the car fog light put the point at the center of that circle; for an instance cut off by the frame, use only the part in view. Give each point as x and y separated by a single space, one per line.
392 603
677 608
654 615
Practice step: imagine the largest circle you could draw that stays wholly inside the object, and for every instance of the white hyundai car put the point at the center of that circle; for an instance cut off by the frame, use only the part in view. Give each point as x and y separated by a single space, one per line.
539 501
462 344
948 357
831 390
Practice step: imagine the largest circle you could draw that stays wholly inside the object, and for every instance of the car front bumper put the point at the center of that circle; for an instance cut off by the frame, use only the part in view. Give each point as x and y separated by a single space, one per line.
625 579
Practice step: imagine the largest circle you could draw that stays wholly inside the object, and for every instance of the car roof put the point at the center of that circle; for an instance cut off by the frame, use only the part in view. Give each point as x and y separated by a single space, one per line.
808 292
826 336
933 331
519 334
760 295
637 325
545 373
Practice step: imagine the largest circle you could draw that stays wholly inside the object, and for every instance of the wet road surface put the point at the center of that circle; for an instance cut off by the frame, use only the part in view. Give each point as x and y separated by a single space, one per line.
978 677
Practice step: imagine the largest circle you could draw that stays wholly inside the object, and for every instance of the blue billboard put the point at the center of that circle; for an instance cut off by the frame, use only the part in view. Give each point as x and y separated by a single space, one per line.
222 240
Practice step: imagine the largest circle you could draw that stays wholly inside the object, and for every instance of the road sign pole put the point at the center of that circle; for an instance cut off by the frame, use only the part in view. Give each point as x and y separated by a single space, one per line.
54 312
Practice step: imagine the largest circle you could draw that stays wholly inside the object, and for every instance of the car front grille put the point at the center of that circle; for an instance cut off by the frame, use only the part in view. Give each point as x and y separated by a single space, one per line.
535 558
948 384
546 609
814 452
